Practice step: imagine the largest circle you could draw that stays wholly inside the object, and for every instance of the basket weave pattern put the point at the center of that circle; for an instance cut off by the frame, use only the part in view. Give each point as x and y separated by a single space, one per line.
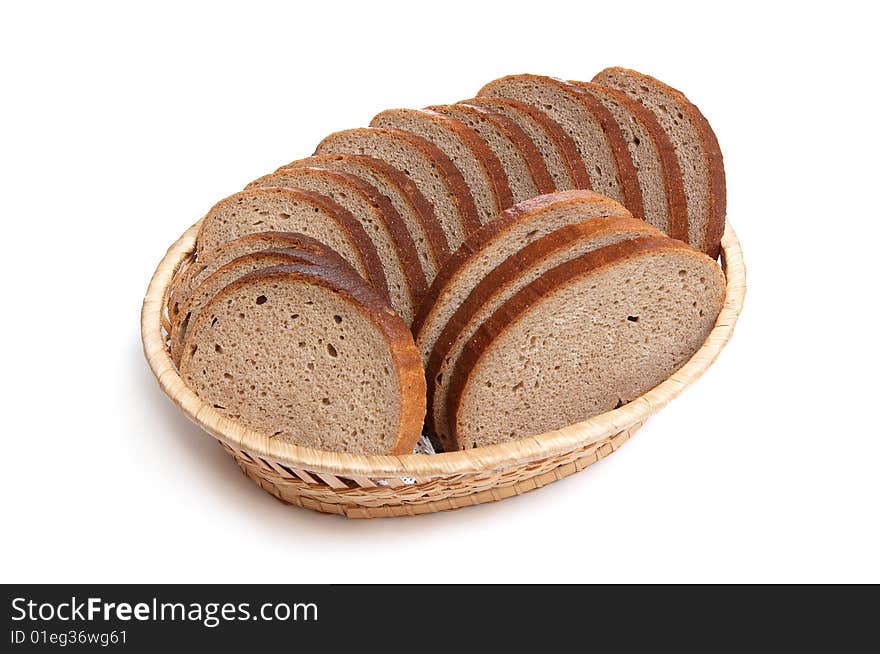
362 486
363 498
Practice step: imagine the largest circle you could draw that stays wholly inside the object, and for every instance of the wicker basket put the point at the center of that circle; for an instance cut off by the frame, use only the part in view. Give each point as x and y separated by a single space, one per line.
361 486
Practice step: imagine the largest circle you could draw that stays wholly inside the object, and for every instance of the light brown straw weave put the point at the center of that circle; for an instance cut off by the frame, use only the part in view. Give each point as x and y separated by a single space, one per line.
363 486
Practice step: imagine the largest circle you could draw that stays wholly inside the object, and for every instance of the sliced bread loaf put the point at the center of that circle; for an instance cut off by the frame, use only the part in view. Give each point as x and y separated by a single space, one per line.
590 125
406 198
586 337
518 154
226 274
209 263
384 226
653 156
479 166
696 147
432 172
558 149
495 242
310 355
295 210
513 274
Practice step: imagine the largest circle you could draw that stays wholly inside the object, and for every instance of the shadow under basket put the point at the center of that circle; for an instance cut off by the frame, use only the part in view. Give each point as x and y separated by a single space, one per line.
369 486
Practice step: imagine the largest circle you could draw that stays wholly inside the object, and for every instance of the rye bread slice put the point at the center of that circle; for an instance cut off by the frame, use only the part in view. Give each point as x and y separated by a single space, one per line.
384 226
523 164
294 210
429 168
310 355
208 264
653 156
415 210
557 148
588 336
696 147
479 166
590 125
495 242
513 274
226 274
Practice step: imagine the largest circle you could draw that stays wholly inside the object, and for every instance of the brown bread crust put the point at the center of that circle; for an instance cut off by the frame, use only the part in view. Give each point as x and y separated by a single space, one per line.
346 283
508 270
715 160
352 227
494 169
178 332
527 148
421 208
631 193
574 163
478 240
626 171
673 184
490 163
459 191
401 239
185 282
587 264
718 184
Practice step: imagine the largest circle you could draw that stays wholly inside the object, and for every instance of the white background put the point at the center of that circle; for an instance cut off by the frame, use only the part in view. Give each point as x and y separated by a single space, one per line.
123 123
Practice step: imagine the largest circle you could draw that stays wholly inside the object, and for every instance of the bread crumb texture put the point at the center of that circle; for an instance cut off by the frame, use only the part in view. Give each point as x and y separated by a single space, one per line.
299 362
590 345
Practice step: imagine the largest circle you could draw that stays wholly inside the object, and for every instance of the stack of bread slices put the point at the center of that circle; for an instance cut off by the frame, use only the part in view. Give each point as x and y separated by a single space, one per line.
479 272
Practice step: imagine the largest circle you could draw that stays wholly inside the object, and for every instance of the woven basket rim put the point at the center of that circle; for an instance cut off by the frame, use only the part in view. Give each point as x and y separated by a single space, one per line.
483 459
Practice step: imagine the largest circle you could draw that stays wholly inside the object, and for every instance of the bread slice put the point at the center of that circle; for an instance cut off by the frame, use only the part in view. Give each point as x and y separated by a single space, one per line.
588 336
310 355
513 274
653 156
590 125
518 154
406 198
495 242
209 263
479 166
557 148
696 148
227 274
294 210
384 226
432 172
